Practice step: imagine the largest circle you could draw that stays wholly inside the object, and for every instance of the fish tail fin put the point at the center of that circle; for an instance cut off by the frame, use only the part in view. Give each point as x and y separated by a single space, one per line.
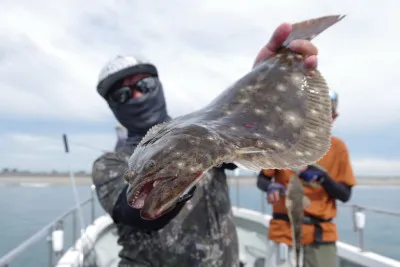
297 256
309 29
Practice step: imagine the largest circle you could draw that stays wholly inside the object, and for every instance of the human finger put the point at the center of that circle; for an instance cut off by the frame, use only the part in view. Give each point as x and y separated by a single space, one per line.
278 37
303 47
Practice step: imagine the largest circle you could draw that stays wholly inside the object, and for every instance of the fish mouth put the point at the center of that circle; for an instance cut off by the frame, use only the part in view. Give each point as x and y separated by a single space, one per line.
137 196
147 215
161 206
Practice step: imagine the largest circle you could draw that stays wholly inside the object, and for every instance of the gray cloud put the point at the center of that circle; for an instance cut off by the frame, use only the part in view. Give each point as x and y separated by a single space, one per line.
51 53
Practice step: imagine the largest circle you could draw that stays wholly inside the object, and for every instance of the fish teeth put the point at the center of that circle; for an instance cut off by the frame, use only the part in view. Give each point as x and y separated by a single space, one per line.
135 196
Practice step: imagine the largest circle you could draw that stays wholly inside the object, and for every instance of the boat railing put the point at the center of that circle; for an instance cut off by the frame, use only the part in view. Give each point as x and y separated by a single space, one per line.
53 233
359 219
357 212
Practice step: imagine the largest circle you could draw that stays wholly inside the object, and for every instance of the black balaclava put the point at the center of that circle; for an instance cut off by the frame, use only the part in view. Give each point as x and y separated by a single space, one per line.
140 114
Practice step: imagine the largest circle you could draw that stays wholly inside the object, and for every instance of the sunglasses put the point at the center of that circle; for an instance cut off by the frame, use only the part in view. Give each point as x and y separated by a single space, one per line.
125 93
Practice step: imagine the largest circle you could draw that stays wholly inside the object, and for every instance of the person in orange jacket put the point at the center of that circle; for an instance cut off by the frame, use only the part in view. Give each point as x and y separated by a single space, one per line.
334 177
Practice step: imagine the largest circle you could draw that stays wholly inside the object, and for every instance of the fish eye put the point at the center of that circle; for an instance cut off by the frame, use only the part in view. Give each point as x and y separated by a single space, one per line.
150 165
128 174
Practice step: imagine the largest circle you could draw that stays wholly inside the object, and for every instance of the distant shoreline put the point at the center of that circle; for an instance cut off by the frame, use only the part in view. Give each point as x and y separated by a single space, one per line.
87 180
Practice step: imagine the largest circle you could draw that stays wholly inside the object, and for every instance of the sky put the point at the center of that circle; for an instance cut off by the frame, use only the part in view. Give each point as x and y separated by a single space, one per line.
51 53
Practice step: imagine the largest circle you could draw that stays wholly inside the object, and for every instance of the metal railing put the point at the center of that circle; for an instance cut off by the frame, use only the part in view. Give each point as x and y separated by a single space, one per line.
47 233
358 219
59 224
357 211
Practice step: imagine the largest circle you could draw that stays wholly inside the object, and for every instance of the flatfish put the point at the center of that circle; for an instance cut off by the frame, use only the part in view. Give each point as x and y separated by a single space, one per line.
276 116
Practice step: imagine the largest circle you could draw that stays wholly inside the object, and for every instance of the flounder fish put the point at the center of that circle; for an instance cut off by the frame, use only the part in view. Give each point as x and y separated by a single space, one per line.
295 203
276 116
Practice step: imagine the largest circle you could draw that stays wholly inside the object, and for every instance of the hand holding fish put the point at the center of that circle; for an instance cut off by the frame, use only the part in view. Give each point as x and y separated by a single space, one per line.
275 190
312 173
303 47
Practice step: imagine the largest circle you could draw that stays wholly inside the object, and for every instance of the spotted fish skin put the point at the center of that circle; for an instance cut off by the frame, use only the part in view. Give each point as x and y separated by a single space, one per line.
295 203
276 116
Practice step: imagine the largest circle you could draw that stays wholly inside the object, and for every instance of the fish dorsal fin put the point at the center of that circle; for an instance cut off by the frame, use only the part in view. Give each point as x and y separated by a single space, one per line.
152 132
309 29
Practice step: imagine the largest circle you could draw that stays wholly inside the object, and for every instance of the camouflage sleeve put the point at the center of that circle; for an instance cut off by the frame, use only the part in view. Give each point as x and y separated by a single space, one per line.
107 175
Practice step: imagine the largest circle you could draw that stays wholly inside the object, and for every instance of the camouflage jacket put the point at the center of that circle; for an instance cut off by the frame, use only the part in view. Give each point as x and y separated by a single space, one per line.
202 234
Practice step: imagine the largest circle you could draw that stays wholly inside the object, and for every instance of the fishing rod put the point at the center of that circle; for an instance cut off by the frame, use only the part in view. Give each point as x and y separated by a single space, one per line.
83 233
90 147
73 184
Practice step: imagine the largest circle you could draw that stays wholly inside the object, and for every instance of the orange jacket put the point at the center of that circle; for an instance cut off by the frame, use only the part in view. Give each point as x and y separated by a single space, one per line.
337 163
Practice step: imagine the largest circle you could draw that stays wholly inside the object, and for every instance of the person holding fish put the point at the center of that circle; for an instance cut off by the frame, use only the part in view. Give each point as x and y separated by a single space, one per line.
198 228
310 220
